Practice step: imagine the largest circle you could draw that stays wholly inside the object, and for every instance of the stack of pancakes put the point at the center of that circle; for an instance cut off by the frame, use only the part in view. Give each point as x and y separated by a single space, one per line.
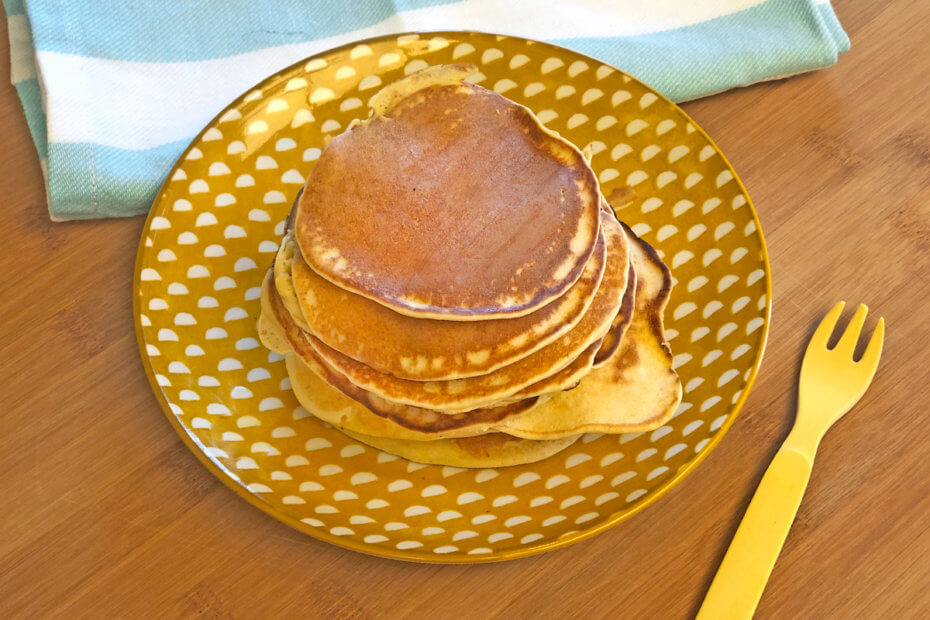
452 287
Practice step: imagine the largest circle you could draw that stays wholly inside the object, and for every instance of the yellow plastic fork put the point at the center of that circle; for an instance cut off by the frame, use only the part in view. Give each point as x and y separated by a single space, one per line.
831 383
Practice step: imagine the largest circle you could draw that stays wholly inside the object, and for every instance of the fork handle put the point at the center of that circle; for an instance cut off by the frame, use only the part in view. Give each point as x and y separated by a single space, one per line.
746 567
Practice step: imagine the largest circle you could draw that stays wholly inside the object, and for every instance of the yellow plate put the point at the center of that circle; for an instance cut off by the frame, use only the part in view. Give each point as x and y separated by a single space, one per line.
216 225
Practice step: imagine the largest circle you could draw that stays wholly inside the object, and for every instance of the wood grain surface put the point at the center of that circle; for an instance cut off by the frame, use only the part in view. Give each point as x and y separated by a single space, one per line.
106 513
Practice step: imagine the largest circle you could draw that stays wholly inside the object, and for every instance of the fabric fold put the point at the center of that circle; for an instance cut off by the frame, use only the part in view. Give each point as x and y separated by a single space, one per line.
113 91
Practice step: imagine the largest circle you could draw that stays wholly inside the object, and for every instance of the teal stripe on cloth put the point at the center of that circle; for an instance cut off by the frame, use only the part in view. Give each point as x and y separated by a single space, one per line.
89 179
14 7
770 40
120 29
832 24
31 98
30 95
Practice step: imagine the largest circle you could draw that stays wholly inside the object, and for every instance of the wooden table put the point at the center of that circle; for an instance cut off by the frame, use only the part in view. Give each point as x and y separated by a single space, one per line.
107 513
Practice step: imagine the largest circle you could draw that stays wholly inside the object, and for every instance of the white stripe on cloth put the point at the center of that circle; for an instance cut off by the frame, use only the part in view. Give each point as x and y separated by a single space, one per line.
155 103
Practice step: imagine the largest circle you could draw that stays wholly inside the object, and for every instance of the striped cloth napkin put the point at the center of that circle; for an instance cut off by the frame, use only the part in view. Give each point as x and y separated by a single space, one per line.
113 90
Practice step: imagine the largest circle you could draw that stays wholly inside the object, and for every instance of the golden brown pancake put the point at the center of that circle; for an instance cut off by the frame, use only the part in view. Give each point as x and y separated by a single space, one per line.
329 404
284 282
394 420
621 196
491 450
564 379
636 390
391 94
453 202
271 330
611 341
429 349
314 384
488 389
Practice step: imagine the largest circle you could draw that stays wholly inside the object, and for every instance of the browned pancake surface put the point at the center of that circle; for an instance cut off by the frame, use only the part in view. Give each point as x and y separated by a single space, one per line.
456 203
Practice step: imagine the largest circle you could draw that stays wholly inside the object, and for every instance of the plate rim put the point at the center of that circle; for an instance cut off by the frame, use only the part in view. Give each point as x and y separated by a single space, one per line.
223 474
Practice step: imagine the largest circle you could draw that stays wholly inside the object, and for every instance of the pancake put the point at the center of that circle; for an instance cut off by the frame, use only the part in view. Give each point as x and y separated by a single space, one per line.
611 341
390 95
284 282
620 197
324 392
428 349
492 450
569 376
485 390
450 202
564 379
594 356
270 329
636 391
329 404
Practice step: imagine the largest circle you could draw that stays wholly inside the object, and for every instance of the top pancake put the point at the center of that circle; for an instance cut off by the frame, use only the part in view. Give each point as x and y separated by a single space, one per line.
451 203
